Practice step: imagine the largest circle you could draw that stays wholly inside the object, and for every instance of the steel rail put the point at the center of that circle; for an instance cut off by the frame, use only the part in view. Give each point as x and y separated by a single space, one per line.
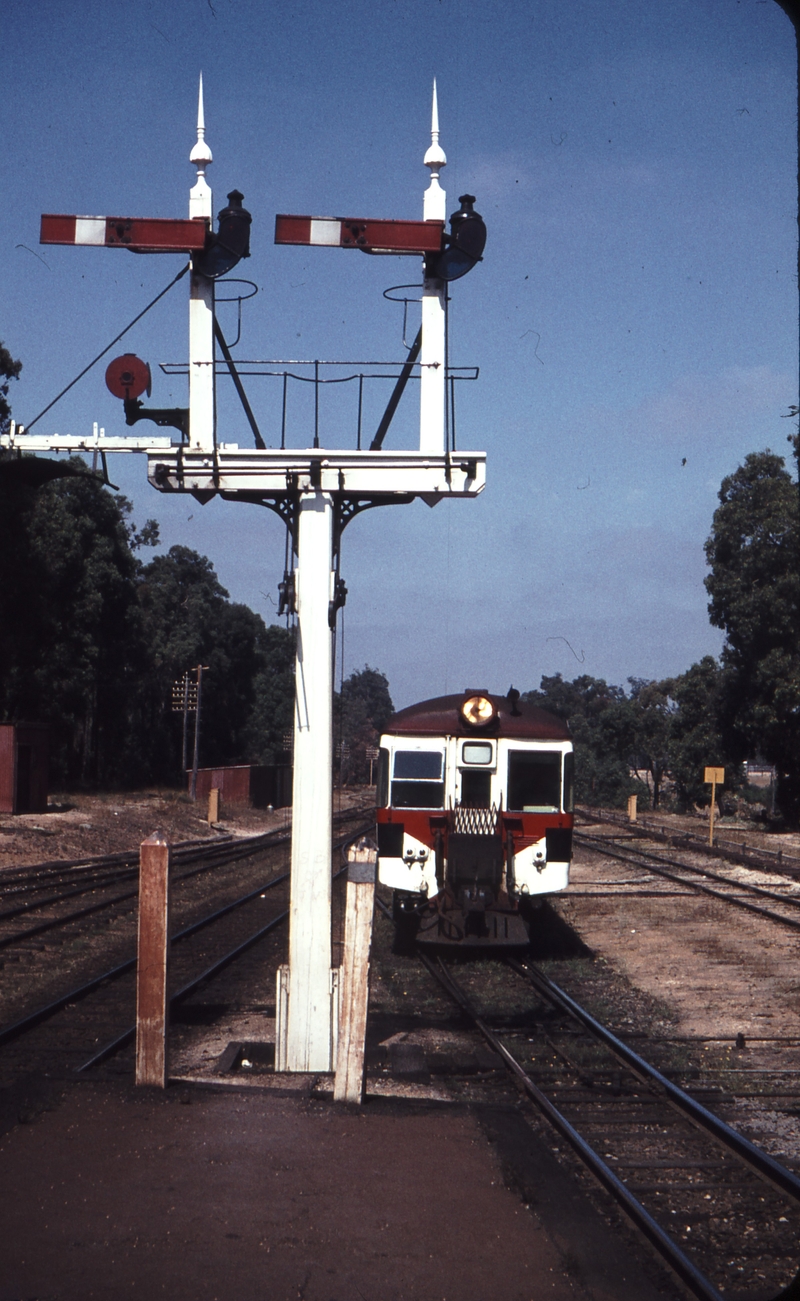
86 887
772 860
731 1139
82 881
41 1014
121 856
232 854
218 854
180 849
7 1033
792 922
678 1261
629 855
122 1040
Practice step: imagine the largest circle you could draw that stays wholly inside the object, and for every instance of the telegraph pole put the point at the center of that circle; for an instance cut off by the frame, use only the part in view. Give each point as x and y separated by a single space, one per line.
196 754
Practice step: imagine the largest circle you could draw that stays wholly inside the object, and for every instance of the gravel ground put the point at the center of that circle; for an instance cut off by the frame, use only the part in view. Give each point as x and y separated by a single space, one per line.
710 972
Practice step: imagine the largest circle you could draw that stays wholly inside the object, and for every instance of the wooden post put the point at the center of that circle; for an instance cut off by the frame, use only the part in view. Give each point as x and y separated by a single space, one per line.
632 807
151 968
354 980
213 804
713 776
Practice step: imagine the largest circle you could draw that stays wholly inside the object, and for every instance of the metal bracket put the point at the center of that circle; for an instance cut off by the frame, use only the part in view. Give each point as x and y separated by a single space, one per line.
287 603
339 599
167 417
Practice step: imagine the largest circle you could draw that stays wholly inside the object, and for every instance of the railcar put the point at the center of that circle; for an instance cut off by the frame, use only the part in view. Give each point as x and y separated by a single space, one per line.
475 814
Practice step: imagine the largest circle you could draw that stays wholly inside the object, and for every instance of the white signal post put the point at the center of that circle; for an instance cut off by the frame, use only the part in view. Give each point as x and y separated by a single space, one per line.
307 1037
317 489
201 305
432 377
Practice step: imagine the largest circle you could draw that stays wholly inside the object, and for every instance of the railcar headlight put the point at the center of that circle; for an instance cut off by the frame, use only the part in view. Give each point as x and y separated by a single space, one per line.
477 710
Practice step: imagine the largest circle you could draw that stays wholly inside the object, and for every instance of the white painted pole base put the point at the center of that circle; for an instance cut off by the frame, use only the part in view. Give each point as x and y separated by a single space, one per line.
304 1011
282 1015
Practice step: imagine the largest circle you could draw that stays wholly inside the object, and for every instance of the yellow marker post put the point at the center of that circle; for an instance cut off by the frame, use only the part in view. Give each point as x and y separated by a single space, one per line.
712 777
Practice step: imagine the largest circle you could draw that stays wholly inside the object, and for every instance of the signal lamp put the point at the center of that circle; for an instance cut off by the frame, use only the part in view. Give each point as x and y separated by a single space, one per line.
230 243
477 711
464 244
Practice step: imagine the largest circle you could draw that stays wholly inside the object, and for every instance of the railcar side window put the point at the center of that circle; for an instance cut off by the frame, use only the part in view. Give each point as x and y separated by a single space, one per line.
382 793
534 781
417 779
569 782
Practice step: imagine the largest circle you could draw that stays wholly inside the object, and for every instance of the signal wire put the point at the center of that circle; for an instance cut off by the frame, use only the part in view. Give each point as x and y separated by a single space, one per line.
86 369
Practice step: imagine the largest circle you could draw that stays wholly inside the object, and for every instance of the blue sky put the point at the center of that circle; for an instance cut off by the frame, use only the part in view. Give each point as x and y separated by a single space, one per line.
637 307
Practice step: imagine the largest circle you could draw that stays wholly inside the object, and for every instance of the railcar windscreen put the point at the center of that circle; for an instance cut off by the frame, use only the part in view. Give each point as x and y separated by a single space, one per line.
417 779
534 781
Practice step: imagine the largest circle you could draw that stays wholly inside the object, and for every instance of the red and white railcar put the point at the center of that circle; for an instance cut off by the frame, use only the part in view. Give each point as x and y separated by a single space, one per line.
475 814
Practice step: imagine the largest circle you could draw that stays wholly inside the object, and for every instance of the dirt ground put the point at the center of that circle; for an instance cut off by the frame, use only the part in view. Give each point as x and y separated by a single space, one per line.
77 825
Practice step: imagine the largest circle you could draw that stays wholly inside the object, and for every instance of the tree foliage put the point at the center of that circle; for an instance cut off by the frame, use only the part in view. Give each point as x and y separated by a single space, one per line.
669 730
696 736
361 712
92 639
603 729
754 590
9 369
652 715
70 649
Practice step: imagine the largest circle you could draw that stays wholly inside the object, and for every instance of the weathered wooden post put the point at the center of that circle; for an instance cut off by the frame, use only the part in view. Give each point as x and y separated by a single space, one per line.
213 805
354 979
632 799
152 964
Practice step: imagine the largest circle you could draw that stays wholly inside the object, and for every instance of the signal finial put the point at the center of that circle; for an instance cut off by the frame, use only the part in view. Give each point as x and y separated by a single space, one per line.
200 197
435 200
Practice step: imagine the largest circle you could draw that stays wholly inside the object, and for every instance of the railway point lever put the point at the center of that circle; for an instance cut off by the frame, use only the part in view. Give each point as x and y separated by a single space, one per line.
316 490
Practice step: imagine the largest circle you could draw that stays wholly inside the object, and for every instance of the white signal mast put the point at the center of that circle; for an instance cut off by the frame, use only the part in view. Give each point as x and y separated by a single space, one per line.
316 490
432 381
201 303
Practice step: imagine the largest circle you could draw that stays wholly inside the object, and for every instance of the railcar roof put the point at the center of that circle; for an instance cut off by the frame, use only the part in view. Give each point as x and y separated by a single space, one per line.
442 717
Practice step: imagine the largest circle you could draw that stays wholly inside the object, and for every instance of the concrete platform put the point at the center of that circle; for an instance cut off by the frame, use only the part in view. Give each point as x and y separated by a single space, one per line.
219 1194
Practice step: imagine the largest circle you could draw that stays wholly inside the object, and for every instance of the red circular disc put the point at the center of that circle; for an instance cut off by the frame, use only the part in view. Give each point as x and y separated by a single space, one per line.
128 376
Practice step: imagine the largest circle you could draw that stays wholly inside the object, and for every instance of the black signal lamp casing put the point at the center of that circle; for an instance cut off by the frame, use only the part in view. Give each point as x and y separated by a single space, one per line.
230 243
464 245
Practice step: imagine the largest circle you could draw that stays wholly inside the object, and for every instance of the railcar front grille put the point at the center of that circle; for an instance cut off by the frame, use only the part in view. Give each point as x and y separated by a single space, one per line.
474 822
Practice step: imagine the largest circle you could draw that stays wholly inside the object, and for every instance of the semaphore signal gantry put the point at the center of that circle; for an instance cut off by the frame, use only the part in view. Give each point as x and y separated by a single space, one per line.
315 489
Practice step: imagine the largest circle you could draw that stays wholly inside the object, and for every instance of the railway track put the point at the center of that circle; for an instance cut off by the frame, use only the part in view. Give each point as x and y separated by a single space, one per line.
737 891
722 1213
65 1025
741 852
